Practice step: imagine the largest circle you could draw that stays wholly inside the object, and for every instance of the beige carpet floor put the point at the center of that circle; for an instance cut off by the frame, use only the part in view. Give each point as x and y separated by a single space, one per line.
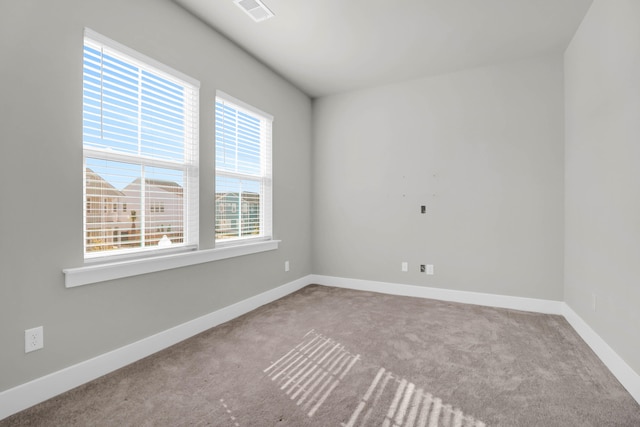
334 357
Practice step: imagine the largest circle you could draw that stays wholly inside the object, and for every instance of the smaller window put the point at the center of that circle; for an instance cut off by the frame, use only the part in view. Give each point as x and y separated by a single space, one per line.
243 170
124 207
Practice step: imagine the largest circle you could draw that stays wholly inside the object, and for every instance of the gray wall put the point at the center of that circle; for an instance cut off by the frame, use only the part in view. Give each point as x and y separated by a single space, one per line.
602 226
482 149
41 175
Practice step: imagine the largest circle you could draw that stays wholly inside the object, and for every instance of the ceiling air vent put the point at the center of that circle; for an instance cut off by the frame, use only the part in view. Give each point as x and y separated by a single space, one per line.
257 10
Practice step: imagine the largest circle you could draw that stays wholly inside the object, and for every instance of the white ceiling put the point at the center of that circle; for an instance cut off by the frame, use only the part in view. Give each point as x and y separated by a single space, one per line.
330 46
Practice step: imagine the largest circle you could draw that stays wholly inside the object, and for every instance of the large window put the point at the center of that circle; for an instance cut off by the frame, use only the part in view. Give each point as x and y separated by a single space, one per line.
140 144
243 171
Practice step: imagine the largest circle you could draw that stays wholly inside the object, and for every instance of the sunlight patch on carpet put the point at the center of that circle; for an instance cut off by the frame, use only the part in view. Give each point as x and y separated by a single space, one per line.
310 371
408 406
231 416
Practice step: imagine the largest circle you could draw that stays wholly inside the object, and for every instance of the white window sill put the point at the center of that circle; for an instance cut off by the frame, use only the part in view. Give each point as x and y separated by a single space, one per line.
115 270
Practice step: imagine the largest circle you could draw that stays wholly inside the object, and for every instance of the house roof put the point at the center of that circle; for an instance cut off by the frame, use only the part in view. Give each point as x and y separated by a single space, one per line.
96 185
168 186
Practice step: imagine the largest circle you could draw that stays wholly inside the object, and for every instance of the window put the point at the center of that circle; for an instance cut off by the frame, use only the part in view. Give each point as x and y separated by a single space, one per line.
243 171
140 143
157 207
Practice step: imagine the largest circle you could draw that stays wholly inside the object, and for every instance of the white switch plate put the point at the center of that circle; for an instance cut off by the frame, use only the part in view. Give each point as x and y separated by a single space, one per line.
405 266
430 269
33 339
286 266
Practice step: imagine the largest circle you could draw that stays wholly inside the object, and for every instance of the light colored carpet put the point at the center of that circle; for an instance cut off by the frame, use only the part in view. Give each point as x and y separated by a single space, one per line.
334 357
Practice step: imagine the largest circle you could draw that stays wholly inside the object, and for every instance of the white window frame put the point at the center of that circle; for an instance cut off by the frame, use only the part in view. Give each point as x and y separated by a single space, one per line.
265 177
189 167
119 266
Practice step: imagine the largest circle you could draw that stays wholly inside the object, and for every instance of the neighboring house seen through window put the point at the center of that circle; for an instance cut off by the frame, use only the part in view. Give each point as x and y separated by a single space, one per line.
140 145
243 171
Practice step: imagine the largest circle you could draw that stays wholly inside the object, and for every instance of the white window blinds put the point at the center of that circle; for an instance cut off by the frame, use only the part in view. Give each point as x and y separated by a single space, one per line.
243 171
140 144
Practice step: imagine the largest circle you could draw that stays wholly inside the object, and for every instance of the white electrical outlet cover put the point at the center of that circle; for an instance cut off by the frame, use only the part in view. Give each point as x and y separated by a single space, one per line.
33 339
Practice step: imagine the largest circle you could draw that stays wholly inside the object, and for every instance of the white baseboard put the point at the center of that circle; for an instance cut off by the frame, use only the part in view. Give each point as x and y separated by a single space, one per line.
491 300
618 367
41 389
25 395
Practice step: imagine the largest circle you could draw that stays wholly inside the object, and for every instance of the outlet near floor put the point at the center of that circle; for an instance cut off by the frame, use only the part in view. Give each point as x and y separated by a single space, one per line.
33 339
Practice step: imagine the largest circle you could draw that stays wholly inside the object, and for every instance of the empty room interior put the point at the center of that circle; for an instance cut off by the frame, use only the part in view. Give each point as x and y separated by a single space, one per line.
320 213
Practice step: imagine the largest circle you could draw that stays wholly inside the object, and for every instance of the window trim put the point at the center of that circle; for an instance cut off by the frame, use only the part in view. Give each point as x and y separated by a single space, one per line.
101 272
